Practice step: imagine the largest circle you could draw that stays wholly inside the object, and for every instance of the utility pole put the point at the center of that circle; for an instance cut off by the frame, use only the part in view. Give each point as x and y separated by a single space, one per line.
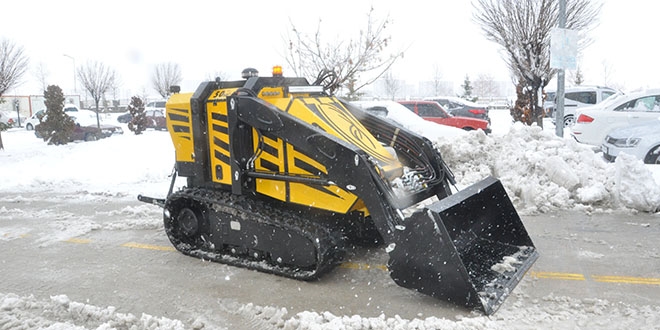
559 98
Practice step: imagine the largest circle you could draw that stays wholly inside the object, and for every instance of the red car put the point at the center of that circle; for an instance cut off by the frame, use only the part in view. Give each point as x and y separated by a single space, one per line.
156 119
433 111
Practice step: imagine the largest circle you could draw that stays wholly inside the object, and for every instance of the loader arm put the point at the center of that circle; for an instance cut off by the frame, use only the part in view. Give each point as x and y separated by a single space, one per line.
348 166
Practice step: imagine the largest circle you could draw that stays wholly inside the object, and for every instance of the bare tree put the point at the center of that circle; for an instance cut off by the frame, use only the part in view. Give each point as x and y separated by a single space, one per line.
437 80
13 64
340 64
164 76
392 85
41 73
522 28
485 86
97 79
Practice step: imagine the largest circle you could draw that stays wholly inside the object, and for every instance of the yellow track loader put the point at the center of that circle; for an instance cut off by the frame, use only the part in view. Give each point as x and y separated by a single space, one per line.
283 177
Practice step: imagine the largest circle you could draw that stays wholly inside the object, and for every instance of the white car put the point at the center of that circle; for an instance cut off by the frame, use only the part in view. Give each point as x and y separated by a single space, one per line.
5 120
10 119
641 141
594 123
33 121
155 105
70 108
575 98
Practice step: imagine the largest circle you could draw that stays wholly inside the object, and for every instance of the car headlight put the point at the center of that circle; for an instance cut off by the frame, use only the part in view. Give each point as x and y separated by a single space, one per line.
623 143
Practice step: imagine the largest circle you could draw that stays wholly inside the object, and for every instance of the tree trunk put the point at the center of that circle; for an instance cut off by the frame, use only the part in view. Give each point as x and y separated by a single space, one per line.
2 147
537 105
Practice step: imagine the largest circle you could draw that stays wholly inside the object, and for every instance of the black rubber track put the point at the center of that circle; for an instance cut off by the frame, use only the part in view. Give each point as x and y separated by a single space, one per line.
328 243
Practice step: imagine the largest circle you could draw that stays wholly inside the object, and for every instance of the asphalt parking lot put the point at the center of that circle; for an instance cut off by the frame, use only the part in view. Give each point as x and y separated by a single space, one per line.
135 268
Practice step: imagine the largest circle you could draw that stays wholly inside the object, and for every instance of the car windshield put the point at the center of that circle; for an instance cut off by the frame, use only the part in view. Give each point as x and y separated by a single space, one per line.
647 103
611 99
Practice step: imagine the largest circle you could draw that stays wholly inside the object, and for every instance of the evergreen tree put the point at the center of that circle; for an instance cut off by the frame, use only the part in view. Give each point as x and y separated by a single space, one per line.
138 122
57 127
579 78
467 90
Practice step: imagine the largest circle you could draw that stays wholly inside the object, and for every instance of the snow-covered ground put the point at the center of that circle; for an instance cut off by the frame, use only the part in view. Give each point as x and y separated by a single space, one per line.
541 172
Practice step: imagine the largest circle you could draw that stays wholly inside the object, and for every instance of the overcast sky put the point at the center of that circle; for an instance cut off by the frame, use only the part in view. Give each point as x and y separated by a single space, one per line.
205 37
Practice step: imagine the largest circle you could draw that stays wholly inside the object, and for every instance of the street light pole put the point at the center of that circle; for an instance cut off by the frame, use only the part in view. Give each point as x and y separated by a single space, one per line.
561 77
75 85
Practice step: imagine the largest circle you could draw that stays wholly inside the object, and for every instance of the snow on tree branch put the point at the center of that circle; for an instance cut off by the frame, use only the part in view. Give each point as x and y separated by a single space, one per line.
522 28
13 64
348 58
166 75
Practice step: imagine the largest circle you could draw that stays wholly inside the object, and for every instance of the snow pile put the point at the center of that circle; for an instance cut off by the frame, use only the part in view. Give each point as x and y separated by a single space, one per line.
552 312
564 313
540 171
118 166
543 173
59 313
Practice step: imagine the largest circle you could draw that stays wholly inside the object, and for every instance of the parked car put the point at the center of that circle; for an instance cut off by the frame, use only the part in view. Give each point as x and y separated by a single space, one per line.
155 105
86 128
125 118
399 115
35 119
575 98
10 118
641 141
156 119
6 120
594 123
499 105
154 110
461 107
433 111
71 108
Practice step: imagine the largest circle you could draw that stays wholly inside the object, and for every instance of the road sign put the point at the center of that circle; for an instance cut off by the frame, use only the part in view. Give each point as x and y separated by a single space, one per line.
563 49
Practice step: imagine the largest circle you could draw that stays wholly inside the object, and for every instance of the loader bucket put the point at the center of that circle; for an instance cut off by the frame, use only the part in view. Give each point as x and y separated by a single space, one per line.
470 248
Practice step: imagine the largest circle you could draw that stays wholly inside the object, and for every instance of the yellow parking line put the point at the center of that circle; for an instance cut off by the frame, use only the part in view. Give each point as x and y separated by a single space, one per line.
558 276
148 246
78 240
9 235
359 266
365 266
626 279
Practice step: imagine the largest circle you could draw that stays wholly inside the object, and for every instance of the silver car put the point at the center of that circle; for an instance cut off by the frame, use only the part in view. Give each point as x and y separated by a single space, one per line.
641 141
575 98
